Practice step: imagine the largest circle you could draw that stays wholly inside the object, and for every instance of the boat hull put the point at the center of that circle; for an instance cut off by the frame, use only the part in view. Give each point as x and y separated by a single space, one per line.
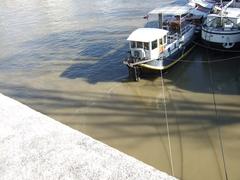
219 46
167 62
221 39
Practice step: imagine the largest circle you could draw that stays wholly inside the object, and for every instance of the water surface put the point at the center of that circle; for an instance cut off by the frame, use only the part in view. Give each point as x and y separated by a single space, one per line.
64 59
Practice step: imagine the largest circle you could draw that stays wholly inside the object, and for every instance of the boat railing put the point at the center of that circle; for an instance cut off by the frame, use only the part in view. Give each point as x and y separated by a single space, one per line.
185 29
172 37
134 61
166 27
235 4
221 28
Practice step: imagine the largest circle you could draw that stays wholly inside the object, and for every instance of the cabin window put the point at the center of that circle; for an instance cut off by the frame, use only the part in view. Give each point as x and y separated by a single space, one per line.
165 39
139 45
146 46
160 42
154 44
216 22
133 44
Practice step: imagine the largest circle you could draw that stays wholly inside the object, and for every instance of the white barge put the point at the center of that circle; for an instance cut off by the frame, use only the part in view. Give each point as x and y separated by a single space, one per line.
222 29
160 48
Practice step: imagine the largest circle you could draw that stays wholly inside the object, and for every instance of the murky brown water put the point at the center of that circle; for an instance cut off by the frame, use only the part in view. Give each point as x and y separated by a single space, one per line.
63 58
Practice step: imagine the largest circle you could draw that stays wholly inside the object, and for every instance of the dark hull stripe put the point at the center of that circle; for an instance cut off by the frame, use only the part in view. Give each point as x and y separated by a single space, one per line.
220 45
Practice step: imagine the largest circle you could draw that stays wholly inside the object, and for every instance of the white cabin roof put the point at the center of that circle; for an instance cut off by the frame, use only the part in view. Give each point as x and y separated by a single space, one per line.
197 12
203 3
233 12
172 10
229 13
147 34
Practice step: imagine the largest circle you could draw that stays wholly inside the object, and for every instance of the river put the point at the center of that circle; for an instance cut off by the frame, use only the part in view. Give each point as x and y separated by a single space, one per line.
64 59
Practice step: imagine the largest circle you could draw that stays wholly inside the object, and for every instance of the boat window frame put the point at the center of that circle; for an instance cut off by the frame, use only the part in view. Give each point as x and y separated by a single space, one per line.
217 23
154 44
165 39
133 44
138 43
230 21
214 22
160 41
146 46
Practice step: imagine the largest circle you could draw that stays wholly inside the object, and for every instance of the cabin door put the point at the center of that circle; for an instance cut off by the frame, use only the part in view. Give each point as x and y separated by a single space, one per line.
154 50
146 46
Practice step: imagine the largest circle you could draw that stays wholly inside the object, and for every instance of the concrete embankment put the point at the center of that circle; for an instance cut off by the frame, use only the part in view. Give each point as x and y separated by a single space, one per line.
34 146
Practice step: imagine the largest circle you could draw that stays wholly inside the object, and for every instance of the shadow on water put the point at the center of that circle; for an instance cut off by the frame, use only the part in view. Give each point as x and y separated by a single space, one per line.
79 46
195 71
117 111
96 55
194 68
99 59
108 68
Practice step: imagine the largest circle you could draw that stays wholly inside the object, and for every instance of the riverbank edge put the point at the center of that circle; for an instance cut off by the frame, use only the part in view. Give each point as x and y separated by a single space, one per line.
35 146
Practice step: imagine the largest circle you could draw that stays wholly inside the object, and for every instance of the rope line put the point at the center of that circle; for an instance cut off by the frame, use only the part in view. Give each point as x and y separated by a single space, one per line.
167 126
210 60
218 118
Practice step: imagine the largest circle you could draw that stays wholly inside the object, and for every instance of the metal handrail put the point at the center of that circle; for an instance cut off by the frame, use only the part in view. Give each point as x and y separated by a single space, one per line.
134 63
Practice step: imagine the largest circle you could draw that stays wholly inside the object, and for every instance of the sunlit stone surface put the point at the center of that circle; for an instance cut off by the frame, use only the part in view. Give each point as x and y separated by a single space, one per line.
34 146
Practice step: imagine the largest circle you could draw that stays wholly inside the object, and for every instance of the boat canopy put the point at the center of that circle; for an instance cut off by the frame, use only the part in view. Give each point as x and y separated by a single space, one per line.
177 10
197 12
147 34
204 4
232 13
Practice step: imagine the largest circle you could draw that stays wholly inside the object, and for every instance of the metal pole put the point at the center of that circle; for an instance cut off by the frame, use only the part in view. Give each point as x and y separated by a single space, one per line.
180 25
160 19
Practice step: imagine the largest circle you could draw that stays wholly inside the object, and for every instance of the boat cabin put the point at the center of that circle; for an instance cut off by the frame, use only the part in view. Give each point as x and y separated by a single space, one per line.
172 18
147 43
229 22
160 48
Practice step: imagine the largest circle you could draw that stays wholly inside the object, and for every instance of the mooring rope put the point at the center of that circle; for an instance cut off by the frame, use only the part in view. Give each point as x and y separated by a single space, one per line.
167 126
210 60
217 116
